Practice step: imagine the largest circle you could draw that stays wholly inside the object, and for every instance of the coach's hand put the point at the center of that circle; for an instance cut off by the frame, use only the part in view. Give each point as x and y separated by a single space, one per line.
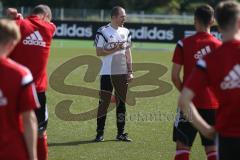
130 77
121 45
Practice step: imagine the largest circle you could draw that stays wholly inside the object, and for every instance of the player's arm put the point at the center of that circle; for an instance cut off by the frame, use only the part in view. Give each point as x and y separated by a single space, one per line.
192 114
30 133
27 103
176 79
129 64
13 13
178 61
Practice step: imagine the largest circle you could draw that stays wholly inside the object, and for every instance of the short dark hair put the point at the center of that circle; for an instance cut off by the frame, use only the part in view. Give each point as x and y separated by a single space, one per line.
227 13
9 31
42 9
204 14
115 11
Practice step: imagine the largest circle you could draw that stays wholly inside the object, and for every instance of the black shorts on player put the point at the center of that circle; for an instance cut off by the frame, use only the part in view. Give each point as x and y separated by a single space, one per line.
228 148
184 131
42 113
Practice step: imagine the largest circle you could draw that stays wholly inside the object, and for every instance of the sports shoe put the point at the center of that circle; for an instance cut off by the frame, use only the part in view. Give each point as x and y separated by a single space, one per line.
123 137
99 138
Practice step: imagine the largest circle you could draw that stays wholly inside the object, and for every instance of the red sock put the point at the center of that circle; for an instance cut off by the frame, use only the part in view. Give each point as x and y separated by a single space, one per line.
182 155
42 148
212 155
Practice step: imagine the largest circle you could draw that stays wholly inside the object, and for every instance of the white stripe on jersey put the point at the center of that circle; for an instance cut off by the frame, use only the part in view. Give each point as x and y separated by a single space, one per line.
35 95
201 63
180 43
27 79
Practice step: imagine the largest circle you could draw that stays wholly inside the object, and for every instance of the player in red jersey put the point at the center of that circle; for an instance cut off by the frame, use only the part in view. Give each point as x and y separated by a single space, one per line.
33 51
221 71
18 136
187 52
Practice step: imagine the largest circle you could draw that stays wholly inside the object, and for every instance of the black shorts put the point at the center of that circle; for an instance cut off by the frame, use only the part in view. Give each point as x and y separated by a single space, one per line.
228 148
184 131
42 112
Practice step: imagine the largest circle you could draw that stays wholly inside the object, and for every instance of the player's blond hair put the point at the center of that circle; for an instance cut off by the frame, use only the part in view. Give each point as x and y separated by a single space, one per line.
9 31
42 9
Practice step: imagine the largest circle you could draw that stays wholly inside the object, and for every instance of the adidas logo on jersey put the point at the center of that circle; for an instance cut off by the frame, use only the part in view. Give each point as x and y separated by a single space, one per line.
34 39
3 100
232 80
202 52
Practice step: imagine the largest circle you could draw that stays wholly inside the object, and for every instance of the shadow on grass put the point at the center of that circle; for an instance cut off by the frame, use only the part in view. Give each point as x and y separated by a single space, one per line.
75 143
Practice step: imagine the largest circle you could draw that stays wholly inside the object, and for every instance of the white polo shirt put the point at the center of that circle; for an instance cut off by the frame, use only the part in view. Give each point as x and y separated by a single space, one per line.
114 63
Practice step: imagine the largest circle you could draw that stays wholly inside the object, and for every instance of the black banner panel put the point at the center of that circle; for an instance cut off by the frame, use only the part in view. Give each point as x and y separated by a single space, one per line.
168 33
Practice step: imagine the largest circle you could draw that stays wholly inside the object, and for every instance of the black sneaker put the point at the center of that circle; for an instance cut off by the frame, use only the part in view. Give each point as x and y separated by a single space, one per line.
123 137
99 138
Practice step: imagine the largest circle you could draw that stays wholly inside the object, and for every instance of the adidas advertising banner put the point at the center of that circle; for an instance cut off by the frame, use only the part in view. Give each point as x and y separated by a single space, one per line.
168 33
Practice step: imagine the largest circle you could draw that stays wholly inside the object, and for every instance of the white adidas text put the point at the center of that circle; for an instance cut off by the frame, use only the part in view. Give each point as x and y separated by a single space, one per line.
34 39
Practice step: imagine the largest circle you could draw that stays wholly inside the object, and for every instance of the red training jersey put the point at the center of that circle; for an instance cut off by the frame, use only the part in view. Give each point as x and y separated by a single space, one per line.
186 53
17 95
221 70
34 47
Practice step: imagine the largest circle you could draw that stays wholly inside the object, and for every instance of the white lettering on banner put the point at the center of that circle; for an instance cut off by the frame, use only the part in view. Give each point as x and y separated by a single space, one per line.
188 33
217 35
151 34
73 31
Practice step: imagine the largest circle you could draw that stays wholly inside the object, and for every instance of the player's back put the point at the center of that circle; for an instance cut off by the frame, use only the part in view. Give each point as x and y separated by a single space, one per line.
196 47
224 71
188 52
13 79
33 49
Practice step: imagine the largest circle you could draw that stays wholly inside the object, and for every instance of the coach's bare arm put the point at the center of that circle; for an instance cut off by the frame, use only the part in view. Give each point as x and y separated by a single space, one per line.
129 60
176 70
30 133
129 64
103 52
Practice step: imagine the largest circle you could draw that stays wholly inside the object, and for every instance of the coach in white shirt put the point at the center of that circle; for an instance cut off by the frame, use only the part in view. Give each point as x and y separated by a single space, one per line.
113 43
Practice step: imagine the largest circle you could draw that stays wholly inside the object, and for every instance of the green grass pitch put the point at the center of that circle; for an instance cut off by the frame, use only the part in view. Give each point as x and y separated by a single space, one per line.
152 138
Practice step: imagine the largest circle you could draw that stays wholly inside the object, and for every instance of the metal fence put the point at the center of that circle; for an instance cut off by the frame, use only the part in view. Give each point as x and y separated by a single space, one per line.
104 15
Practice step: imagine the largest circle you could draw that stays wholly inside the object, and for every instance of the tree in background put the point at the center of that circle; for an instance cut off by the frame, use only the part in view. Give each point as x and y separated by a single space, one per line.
145 5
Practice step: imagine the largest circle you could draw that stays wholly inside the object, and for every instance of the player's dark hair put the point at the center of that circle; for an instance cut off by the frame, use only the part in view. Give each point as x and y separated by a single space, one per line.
9 31
204 14
227 13
42 9
115 11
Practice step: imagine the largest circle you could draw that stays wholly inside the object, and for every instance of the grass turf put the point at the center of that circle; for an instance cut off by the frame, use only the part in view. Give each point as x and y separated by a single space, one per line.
152 136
